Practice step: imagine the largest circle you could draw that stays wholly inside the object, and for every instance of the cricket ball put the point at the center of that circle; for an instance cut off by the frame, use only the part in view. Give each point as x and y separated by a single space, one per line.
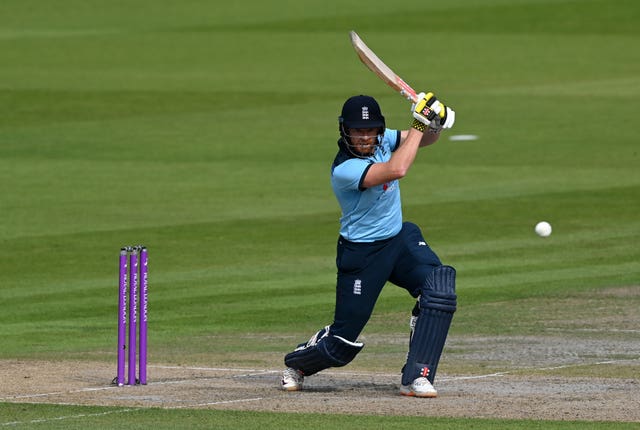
543 229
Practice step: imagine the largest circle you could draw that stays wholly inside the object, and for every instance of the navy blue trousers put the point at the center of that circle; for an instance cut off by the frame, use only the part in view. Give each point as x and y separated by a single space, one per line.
364 269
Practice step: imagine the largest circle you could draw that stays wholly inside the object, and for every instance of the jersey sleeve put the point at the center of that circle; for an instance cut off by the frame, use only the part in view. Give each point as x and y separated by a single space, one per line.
392 137
350 174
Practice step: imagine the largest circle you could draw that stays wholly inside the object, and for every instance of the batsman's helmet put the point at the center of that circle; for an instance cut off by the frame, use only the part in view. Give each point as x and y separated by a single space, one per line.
360 112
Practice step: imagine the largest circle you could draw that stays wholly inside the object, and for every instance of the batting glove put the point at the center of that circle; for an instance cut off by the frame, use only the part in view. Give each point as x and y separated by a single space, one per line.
445 117
422 111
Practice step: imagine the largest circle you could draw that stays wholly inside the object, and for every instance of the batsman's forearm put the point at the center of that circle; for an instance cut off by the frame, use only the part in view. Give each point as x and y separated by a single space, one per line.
429 137
399 163
403 157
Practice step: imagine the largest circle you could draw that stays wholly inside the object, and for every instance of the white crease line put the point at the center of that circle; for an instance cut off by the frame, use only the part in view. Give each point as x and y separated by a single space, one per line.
565 366
66 417
597 330
56 393
598 363
222 402
125 387
216 369
257 372
30 396
465 378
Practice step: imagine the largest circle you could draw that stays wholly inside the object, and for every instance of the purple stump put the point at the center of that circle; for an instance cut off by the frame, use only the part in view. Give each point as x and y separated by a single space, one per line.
143 314
133 306
122 316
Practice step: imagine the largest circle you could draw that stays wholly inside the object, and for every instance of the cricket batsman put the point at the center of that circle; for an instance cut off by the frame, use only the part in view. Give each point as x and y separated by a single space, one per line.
375 245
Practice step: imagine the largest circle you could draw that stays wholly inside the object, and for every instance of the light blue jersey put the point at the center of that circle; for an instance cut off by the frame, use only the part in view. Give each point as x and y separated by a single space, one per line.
373 213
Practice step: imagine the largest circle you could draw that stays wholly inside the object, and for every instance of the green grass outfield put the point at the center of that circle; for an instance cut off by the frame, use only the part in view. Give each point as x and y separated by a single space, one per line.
72 417
205 130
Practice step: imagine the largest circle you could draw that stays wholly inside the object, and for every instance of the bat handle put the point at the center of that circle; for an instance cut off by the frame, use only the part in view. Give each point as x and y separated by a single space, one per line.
406 91
411 96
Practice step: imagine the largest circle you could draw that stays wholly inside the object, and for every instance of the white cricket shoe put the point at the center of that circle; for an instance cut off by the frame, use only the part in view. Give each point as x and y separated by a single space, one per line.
292 379
420 387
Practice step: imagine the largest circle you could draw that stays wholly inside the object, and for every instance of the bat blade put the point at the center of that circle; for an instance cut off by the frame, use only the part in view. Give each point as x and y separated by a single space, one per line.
377 66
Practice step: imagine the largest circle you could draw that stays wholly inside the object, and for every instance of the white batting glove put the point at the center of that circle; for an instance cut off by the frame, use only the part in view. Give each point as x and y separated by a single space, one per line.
445 117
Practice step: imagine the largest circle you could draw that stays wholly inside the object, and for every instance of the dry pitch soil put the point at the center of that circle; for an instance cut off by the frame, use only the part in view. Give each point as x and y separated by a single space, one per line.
532 384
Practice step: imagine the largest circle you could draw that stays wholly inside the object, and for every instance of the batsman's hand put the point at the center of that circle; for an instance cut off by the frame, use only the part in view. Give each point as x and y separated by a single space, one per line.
422 112
445 117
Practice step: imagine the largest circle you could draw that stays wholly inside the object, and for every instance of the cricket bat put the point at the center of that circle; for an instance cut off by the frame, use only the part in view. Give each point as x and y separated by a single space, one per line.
377 66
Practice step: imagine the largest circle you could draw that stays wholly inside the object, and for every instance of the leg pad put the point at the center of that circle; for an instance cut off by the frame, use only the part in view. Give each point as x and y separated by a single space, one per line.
438 302
327 351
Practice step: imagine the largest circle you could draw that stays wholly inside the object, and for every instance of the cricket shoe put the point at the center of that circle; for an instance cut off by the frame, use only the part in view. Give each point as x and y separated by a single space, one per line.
420 387
292 380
